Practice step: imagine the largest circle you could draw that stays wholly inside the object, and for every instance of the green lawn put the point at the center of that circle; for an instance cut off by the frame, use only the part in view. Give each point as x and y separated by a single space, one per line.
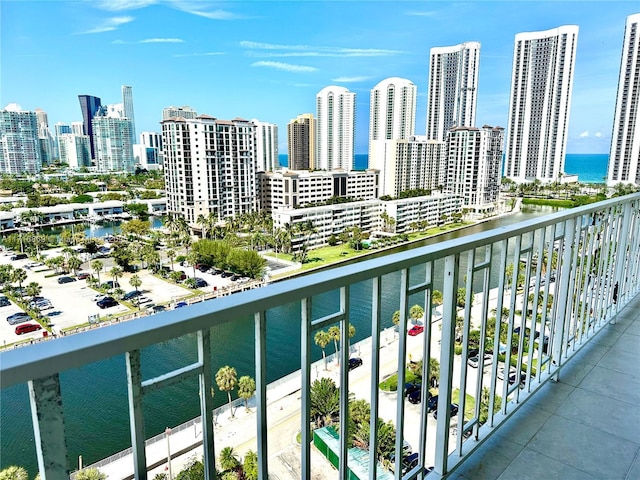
323 256
391 384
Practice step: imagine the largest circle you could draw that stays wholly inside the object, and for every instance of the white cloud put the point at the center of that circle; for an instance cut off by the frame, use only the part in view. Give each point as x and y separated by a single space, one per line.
599 135
119 5
584 134
312 51
109 24
421 14
350 79
285 66
162 40
205 54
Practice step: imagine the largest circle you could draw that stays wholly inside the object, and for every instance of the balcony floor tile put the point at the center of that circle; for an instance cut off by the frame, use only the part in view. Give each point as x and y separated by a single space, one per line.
584 426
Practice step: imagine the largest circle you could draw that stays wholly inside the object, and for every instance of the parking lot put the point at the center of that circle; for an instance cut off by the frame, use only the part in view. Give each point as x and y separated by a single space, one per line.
74 303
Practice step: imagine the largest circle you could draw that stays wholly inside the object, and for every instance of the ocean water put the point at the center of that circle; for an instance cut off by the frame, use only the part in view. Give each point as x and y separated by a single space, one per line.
590 167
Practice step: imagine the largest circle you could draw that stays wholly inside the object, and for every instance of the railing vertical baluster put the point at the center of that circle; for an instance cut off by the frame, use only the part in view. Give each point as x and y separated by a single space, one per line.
402 356
426 361
344 382
563 280
48 426
376 317
136 417
305 388
206 405
621 256
471 260
496 334
449 293
261 392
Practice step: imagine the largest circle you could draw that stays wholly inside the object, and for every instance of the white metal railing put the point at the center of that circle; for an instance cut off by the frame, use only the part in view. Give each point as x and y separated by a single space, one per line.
556 280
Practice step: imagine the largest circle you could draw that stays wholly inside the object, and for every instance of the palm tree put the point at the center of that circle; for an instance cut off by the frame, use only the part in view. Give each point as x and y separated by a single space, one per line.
246 389
171 255
74 263
97 267
14 473
250 465
416 313
334 334
18 275
226 378
33 289
116 273
135 281
90 474
228 459
322 339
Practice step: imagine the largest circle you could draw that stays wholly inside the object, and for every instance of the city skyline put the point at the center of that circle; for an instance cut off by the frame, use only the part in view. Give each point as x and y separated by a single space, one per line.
248 59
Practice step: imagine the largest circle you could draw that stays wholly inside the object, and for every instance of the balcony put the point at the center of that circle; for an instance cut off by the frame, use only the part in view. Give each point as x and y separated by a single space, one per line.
565 289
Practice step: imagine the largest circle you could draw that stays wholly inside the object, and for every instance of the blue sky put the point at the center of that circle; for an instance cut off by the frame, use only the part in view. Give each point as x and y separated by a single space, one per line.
268 59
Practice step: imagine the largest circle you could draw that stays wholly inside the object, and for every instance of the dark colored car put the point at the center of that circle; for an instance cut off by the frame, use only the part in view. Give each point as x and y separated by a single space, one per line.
29 327
415 396
453 408
409 462
235 277
354 362
110 284
4 302
18 256
157 308
432 403
132 294
181 304
83 276
200 282
226 274
107 302
202 268
66 279
411 387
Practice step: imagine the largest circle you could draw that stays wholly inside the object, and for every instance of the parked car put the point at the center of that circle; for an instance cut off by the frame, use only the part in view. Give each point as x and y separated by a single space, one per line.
415 396
475 361
432 403
200 282
18 256
409 462
181 304
512 371
411 387
66 280
19 317
453 410
27 327
142 299
83 275
131 295
416 330
4 302
110 284
55 313
156 308
107 302
354 362
235 277
226 274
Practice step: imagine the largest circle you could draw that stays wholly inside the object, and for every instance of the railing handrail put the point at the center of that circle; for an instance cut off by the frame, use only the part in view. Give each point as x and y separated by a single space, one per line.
39 361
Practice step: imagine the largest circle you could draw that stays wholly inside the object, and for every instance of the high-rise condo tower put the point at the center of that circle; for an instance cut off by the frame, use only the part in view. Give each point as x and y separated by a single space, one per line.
540 102
453 88
335 128
624 158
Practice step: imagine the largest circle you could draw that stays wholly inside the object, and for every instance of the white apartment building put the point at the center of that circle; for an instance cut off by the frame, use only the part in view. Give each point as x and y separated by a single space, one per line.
75 150
392 110
209 167
335 128
286 189
539 105
473 170
624 157
367 215
47 146
453 88
148 153
19 145
77 128
301 133
183 112
112 144
411 164
266 146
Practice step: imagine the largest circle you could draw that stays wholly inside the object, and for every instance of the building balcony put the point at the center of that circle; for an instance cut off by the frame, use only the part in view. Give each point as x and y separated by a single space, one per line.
549 389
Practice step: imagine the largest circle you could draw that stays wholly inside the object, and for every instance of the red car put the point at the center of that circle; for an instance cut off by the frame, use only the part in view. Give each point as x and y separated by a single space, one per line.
415 330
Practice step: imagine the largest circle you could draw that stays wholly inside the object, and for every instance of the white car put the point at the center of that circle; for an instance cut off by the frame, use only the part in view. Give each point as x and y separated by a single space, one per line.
142 299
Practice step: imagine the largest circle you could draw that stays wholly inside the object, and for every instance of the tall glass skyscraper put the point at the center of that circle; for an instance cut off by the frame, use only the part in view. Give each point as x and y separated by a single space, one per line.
624 159
541 85
89 105
127 101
